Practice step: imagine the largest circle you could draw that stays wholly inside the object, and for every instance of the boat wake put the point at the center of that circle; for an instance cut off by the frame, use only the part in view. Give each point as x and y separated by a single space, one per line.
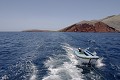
34 72
63 67
100 63
67 67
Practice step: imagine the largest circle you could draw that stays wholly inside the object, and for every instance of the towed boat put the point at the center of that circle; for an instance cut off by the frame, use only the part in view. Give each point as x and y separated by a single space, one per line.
85 56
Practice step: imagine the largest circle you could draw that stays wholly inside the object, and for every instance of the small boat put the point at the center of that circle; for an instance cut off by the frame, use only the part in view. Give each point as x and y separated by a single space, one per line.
86 56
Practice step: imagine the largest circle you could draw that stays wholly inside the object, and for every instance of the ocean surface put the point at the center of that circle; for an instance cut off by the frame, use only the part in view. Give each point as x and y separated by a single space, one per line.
50 56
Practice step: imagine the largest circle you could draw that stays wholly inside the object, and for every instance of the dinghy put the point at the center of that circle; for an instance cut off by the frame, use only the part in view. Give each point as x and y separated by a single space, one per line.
85 56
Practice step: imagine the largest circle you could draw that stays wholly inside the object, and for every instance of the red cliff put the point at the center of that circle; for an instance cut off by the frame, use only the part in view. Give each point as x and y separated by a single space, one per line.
95 26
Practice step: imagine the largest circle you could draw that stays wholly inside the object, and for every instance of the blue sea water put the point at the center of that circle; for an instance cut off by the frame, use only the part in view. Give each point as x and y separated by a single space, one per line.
49 56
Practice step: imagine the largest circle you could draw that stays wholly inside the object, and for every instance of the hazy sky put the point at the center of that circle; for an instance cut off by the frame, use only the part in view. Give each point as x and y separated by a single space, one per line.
17 15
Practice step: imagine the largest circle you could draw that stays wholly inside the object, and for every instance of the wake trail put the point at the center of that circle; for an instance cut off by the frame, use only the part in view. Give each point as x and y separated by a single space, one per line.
63 69
100 63
34 72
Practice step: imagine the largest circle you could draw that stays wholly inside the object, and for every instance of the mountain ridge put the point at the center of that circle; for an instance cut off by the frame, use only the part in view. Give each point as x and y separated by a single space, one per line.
107 24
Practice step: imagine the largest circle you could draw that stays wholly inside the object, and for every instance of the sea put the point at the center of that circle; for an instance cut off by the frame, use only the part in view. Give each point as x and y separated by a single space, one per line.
50 56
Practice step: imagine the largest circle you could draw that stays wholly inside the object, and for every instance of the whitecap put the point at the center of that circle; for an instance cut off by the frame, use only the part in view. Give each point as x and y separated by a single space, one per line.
5 77
100 63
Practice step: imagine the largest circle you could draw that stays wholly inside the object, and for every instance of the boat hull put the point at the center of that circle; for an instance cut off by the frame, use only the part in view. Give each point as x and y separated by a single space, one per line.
83 58
86 61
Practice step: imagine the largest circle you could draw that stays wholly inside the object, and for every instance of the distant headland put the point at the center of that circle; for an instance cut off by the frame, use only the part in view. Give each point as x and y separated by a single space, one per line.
108 24
36 30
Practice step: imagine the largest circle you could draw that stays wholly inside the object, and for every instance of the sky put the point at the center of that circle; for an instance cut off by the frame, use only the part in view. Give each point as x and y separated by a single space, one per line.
18 15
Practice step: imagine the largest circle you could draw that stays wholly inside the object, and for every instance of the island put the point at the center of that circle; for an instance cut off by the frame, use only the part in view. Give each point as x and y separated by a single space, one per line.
107 24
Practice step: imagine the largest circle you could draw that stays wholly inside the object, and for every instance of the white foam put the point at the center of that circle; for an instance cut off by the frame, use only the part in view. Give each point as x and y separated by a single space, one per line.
34 73
68 69
70 54
5 77
99 63
65 71
52 77
73 70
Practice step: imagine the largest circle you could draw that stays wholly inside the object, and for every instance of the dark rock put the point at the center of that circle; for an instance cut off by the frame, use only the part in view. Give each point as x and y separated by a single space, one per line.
86 27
